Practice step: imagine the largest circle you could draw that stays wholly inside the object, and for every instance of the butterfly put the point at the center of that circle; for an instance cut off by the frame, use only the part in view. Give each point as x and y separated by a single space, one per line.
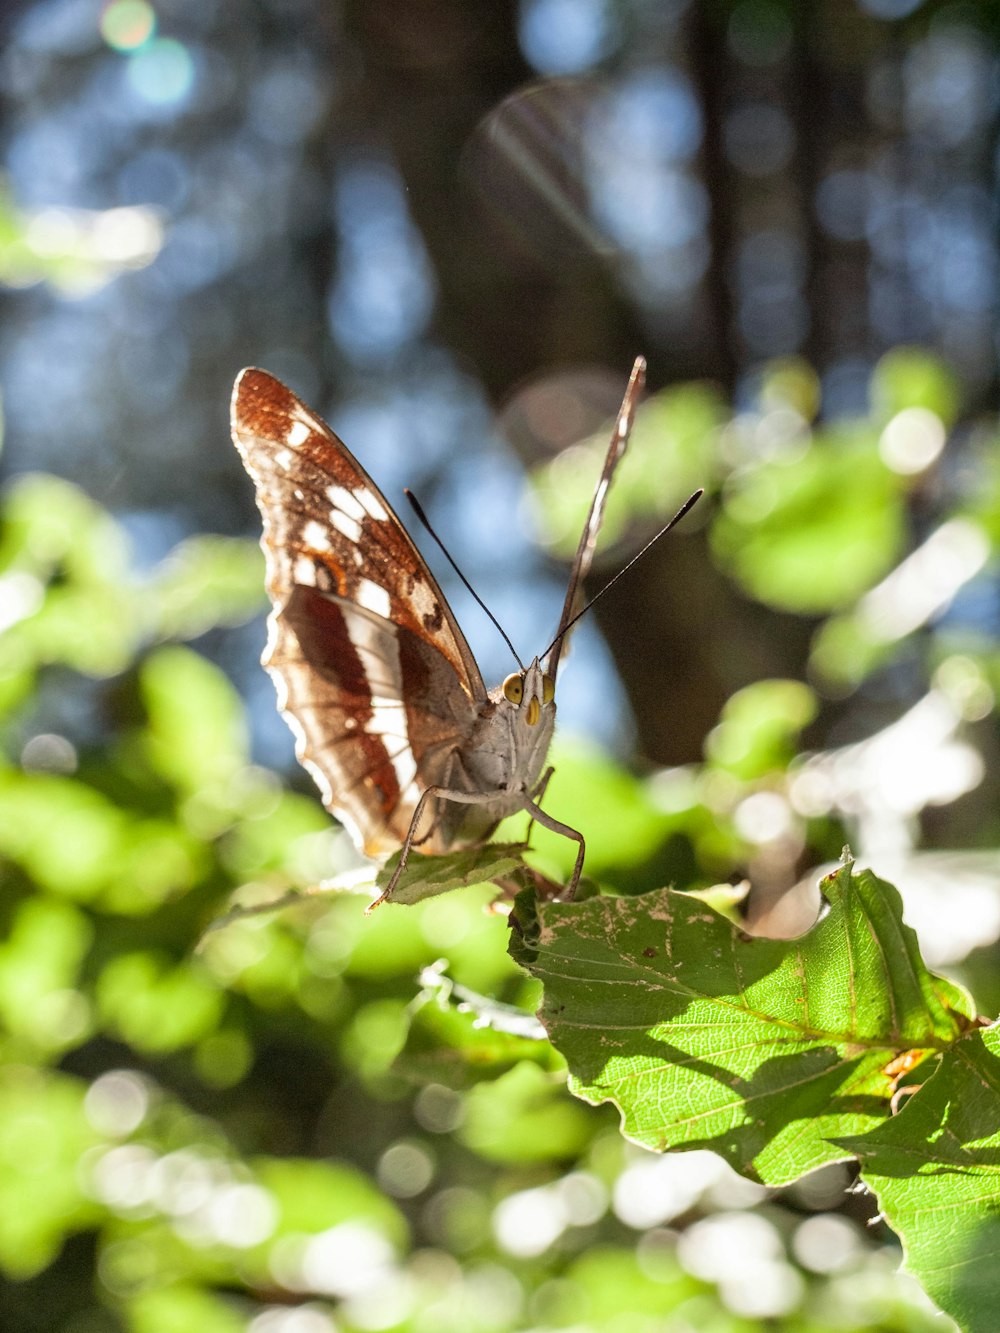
388 707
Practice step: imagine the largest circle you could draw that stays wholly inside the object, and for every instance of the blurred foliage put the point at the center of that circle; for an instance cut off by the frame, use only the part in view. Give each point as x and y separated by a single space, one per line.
75 250
297 1116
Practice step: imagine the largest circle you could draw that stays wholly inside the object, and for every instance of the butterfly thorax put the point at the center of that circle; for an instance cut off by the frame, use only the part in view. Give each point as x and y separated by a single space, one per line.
504 753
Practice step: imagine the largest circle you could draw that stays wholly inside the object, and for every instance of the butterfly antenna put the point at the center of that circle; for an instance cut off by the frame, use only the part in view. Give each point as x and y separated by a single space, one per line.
688 505
418 510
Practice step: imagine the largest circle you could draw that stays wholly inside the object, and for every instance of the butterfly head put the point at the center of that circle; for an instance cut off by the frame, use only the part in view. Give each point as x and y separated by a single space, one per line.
531 692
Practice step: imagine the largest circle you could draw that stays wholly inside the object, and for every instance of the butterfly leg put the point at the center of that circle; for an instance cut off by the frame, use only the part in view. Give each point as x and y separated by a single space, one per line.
546 821
445 794
538 795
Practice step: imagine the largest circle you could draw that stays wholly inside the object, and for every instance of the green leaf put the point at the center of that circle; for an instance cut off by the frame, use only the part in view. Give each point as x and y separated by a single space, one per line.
759 726
670 454
90 628
181 1307
50 525
790 381
427 876
206 581
197 732
44 1134
156 1007
608 1281
88 619
935 1168
524 1116
782 520
314 1196
65 834
845 651
762 1050
75 842
255 845
39 966
910 377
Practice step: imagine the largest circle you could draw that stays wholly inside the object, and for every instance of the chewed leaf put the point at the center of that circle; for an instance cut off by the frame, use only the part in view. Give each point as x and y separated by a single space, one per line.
427 876
935 1168
762 1050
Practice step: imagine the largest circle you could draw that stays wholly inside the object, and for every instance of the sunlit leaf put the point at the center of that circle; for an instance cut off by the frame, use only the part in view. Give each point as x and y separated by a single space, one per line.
524 1116
670 454
39 966
154 1006
758 726
156 861
844 651
314 1196
197 733
762 1050
912 377
790 382
77 843
94 630
391 944
934 1168
610 1280
43 1136
374 1037
65 834
50 525
205 581
88 619
809 534
179 1308
253 846
427 876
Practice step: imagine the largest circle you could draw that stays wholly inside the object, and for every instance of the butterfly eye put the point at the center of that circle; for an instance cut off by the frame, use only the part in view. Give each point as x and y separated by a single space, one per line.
548 689
513 688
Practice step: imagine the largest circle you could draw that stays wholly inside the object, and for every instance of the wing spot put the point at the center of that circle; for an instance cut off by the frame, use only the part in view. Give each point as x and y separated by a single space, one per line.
346 501
315 535
304 571
373 598
425 603
298 433
284 458
344 523
371 504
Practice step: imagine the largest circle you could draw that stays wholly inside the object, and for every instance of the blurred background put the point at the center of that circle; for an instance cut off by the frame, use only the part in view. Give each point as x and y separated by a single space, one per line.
450 225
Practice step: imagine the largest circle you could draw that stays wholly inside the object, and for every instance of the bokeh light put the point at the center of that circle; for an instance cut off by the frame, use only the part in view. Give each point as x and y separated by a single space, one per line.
161 73
566 36
127 24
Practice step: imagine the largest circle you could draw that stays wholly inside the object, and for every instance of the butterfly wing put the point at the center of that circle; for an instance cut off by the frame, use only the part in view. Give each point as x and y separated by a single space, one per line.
373 674
591 529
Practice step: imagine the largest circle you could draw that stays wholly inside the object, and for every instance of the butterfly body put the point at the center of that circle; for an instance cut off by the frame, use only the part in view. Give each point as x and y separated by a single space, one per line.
508 746
374 676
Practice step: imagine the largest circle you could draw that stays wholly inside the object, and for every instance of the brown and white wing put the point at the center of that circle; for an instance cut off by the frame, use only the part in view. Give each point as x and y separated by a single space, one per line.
373 674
